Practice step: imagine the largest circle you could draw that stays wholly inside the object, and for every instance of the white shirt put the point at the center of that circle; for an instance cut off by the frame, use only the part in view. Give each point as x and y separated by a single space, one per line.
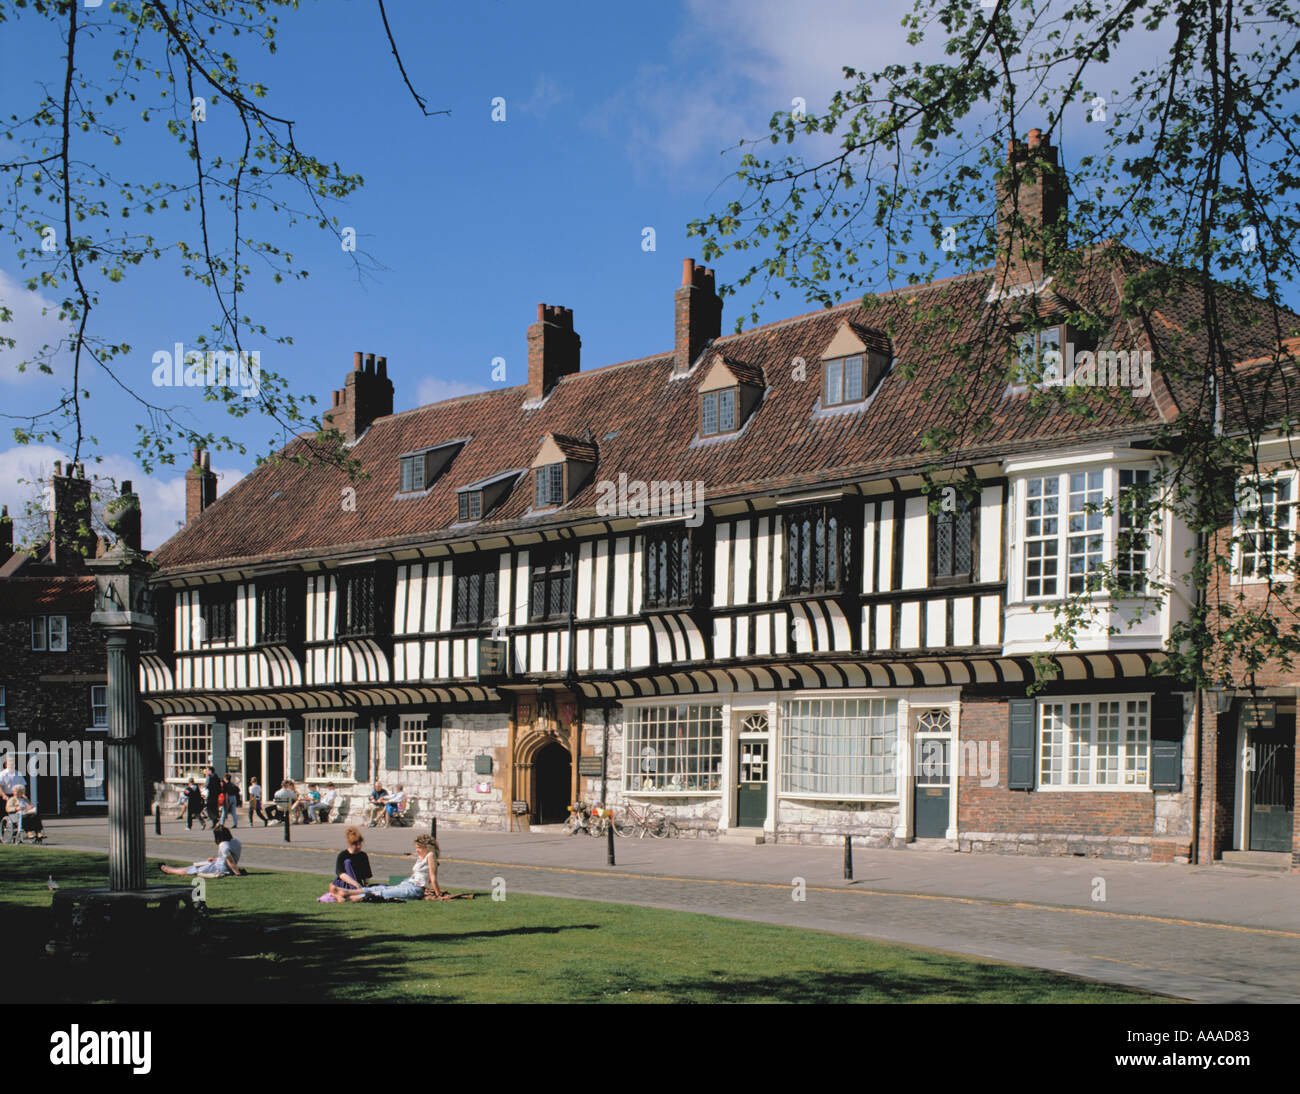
330 796
9 778
420 872
396 799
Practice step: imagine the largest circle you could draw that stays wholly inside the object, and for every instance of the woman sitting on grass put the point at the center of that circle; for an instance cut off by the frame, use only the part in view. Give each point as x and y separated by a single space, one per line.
224 863
352 867
421 885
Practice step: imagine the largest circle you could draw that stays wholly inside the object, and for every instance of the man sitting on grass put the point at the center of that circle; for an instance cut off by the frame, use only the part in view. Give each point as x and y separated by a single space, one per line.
224 863
421 885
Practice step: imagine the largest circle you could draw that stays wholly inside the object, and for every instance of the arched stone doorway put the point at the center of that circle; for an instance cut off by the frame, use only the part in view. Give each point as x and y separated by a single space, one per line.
552 783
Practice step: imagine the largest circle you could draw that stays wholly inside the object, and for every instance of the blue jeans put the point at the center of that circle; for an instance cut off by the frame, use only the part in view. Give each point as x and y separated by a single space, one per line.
231 813
408 890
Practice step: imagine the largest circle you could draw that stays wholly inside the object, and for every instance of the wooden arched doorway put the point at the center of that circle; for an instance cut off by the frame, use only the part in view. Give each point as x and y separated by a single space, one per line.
552 783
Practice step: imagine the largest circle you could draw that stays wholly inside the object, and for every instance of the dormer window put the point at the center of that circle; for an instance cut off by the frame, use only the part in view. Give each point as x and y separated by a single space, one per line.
718 412
1038 355
561 468
417 471
843 381
729 394
853 364
549 485
471 505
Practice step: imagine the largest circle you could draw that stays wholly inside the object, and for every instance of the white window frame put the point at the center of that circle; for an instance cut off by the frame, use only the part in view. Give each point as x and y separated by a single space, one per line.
836 373
413 742
316 769
98 706
1078 723
43 631
1240 529
202 751
636 758
889 775
711 412
1061 470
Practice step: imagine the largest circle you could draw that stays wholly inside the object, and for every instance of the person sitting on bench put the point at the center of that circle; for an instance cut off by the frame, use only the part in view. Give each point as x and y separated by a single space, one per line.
395 803
282 802
375 808
324 805
20 805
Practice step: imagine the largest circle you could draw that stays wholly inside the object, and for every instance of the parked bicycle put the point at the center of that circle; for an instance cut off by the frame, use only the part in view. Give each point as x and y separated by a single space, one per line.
642 822
602 816
579 818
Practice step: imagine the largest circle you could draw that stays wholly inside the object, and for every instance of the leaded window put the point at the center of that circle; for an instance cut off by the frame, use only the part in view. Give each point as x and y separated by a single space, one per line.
1042 531
1266 515
952 531
843 381
476 596
718 412
818 546
273 611
357 603
549 481
551 586
670 569
414 742
218 612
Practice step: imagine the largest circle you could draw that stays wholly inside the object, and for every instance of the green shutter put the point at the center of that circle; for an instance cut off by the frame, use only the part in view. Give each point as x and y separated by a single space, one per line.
434 761
361 751
1020 744
297 737
219 744
1167 742
393 744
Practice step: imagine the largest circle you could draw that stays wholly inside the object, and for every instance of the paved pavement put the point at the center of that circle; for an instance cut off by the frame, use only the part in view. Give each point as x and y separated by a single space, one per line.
1206 933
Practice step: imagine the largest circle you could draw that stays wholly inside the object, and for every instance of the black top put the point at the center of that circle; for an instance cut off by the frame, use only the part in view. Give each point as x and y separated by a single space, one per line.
214 788
360 865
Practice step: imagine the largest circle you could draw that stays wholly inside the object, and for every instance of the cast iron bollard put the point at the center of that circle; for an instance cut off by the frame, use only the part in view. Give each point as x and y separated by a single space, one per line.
609 844
433 824
286 825
157 820
848 858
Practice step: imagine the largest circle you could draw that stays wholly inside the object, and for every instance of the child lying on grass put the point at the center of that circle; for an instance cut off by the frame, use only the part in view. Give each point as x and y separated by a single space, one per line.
421 885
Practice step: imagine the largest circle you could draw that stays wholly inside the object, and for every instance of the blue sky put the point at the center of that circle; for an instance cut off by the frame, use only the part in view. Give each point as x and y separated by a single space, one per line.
617 119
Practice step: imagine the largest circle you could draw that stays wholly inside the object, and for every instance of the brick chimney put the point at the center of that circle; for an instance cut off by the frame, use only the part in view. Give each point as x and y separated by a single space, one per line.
72 537
200 486
367 395
1032 189
554 349
697 316
6 535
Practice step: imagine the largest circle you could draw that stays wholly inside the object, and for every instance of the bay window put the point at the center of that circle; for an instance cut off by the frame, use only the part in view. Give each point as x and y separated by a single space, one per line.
1077 525
673 749
839 748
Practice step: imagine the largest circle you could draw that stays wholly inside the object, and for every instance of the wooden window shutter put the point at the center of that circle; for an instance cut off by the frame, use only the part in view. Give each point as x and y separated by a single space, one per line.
1020 744
434 761
220 743
297 738
361 751
1167 742
393 744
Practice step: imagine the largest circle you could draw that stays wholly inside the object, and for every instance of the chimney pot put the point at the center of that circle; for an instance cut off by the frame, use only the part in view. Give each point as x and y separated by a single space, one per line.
370 362
381 366
554 349
697 315
356 361
366 394
58 467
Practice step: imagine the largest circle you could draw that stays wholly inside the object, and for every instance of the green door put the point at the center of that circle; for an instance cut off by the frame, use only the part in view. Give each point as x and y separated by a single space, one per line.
1272 786
932 788
751 791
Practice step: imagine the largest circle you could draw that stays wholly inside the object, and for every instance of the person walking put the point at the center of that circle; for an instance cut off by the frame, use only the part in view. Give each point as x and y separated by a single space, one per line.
230 802
255 801
213 786
194 806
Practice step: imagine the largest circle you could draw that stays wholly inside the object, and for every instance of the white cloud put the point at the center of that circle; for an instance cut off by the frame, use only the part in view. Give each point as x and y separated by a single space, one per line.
162 495
434 389
546 94
34 324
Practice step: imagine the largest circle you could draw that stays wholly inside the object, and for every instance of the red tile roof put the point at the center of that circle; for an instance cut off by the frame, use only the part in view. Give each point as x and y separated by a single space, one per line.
942 337
36 595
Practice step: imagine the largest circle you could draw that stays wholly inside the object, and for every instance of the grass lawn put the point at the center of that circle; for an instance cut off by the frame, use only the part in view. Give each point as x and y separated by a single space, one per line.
270 941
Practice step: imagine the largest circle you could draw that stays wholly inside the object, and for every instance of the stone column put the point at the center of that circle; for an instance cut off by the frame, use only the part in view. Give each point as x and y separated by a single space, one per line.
125 778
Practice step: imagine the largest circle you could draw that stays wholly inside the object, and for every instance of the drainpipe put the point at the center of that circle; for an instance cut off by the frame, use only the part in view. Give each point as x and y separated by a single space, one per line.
1199 700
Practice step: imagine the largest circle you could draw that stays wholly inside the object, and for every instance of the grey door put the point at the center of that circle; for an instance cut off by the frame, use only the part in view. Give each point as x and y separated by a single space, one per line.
932 788
751 790
1272 786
